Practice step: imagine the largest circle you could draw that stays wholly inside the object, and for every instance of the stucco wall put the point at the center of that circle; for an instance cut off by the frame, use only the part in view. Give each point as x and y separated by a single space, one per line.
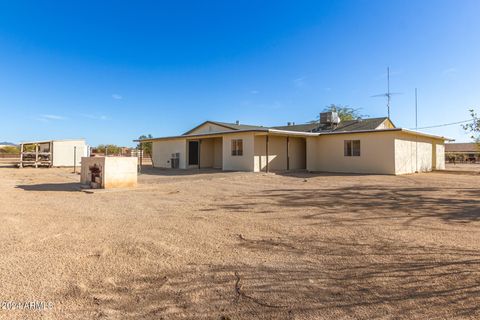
431 154
217 153
239 163
406 155
162 152
277 153
120 172
209 127
260 159
312 151
297 153
206 153
63 152
440 155
326 153
211 153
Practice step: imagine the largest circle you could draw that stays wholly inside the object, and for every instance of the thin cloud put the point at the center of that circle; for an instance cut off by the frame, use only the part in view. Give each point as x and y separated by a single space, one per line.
117 96
254 92
449 71
47 117
299 82
94 116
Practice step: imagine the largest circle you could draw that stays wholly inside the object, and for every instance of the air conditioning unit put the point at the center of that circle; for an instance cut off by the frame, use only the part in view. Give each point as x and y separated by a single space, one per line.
175 161
329 118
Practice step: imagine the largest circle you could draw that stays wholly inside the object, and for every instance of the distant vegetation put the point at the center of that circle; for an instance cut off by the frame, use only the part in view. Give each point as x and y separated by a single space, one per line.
473 127
10 150
146 146
110 148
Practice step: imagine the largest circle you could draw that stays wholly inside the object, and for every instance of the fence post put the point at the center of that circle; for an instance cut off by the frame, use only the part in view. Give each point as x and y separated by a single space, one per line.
74 159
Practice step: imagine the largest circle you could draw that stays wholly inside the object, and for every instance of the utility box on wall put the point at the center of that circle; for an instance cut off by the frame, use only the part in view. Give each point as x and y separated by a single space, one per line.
109 172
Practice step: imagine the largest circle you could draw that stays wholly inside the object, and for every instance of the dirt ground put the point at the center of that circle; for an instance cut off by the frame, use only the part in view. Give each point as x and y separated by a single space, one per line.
212 245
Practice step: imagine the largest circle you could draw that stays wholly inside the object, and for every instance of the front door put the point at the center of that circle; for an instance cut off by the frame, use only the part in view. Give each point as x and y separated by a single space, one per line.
192 153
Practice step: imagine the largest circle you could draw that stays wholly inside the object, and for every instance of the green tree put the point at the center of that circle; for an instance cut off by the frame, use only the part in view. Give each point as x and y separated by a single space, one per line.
345 113
110 148
146 146
473 127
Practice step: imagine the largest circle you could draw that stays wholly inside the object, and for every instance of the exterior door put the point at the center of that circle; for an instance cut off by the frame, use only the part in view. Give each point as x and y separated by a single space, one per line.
192 153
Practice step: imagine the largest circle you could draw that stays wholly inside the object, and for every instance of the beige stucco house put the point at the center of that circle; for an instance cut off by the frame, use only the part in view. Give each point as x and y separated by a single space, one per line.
358 146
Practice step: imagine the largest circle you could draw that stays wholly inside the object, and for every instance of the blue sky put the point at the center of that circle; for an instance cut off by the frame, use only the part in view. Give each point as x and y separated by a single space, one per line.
109 71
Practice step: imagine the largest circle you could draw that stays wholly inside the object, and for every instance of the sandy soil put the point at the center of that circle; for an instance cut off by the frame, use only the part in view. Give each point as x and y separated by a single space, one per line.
242 246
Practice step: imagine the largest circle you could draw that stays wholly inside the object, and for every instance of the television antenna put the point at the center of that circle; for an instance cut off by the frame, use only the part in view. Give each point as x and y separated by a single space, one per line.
388 94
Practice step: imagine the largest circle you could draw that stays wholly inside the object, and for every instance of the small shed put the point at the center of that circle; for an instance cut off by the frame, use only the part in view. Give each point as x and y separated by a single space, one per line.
53 153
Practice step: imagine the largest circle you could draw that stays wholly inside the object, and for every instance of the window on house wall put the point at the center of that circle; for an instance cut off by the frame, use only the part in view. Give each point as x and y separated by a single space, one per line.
237 147
351 148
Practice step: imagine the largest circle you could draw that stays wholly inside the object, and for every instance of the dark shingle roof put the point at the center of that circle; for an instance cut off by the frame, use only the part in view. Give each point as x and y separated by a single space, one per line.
237 126
344 126
307 127
227 125
363 124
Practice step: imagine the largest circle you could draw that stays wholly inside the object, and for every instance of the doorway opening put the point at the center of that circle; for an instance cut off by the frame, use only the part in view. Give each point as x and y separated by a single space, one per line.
193 153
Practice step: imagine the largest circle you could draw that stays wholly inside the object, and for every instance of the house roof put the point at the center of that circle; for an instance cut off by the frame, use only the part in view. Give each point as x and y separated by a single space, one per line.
232 126
343 126
462 147
289 133
307 129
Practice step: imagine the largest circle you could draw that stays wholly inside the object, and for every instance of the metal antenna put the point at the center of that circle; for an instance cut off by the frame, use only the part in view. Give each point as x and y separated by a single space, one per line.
416 111
388 94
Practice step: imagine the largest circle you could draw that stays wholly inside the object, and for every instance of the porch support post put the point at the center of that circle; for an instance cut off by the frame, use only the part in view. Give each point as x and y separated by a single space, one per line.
199 148
266 147
288 157
141 157
36 155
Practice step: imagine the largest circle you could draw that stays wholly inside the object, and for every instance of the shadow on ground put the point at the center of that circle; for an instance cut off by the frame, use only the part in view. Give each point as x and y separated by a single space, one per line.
349 280
73 186
149 170
368 204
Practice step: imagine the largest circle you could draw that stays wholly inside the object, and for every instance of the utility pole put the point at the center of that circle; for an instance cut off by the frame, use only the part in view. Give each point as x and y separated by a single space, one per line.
416 129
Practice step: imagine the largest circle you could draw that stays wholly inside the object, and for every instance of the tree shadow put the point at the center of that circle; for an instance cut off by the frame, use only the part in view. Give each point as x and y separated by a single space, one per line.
348 280
369 204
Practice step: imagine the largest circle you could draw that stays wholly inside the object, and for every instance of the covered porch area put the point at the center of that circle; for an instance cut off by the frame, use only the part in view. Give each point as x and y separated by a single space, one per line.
204 153
279 152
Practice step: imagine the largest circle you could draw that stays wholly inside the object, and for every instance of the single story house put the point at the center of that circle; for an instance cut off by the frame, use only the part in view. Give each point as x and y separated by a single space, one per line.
463 151
359 146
